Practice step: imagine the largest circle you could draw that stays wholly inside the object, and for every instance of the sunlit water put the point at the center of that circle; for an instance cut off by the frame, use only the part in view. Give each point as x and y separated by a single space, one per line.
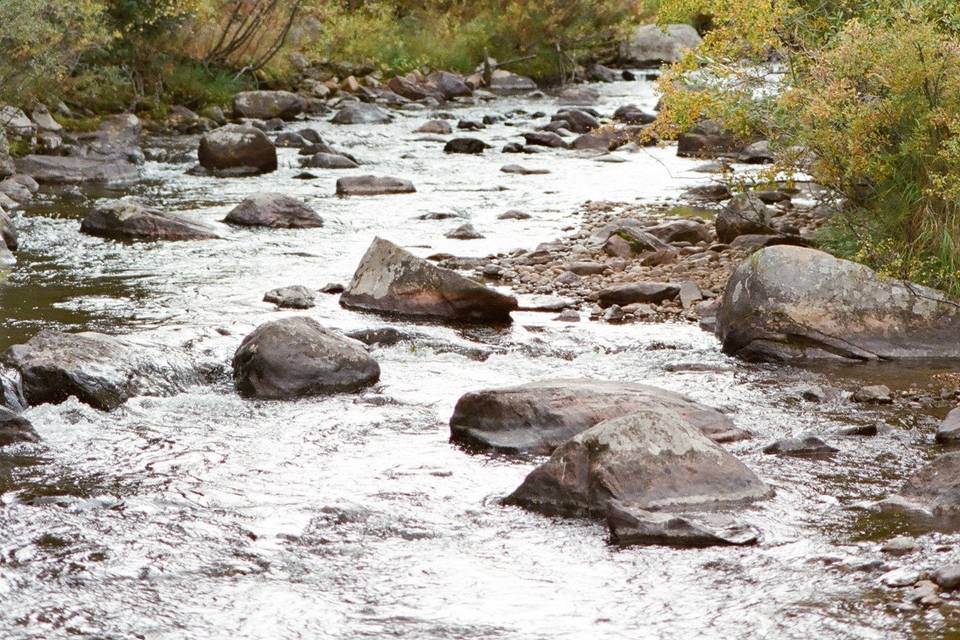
207 516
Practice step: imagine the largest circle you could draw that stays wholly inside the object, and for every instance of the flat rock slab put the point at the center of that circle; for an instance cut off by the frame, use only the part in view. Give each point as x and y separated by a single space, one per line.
791 303
373 186
274 210
545 303
639 527
125 220
392 280
540 416
652 459
523 171
297 357
625 294
70 170
100 370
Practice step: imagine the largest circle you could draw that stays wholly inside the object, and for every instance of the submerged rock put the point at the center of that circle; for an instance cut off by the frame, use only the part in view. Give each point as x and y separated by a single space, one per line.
391 280
293 297
126 220
274 210
538 417
15 428
793 303
651 459
638 526
237 150
373 186
803 446
100 370
296 357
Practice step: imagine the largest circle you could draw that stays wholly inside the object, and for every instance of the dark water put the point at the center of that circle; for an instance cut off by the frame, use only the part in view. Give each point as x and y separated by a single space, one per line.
207 516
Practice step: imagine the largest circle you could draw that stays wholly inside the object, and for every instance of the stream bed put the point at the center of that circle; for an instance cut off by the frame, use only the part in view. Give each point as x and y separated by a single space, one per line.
205 515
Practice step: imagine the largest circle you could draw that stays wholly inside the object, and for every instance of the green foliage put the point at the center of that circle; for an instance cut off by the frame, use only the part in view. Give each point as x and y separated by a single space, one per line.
194 86
868 92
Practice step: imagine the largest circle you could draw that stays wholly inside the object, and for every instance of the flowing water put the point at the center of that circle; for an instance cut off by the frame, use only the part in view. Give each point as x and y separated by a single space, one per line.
204 515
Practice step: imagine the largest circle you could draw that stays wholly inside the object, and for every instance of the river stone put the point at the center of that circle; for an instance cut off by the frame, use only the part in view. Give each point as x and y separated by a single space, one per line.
296 357
361 113
652 45
265 105
745 214
438 127
933 491
293 297
274 210
100 370
947 577
449 85
126 220
329 161
578 121
624 294
506 82
632 114
538 417
465 145
373 186
15 428
8 231
803 446
633 231
681 231
73 170
237 150
949 430
7 167
523 171
788 303
544 139
650 459
638 526
707 139
391 280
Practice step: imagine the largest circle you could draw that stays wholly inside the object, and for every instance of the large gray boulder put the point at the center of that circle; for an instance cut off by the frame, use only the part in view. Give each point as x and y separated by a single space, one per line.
651 459
652 45
274 210
391 280
794 303
746 214
361 113
506 82
100 370
296 357
265 105
537 417
75 170
449 84
126 220
237 150
15 428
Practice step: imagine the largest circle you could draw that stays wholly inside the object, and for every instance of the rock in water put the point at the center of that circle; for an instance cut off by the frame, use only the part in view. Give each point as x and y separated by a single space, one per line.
8 232
15 428
934 490
793 303
100 370
126 220
638 526
806 446
465 145
949 430
294 297
274 210
651 459
540 416
324 160
361 113
265 105
652 45
372 186
237 150
391 280
296 357
70 170
624 294
439 127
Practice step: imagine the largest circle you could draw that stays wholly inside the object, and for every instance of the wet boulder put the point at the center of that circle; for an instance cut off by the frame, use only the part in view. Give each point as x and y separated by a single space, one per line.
597 72
237 150
412 87
297 357
465 145
438 127
949 430
15 428
652 45
577 121
100 370
324 160
274 210
8 231
801 446
265 105
544 139
934 491
681 231
392 280
651 459
746 214
293 297
464 232
580 95
641 527
373 186
794 303
75 170
624 294
507 82
539 416
361 113
128 220
632 114
449 85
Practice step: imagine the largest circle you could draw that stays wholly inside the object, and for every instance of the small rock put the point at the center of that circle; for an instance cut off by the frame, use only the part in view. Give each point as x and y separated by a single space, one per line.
465 145
900 546
274 210
949 430
874 394
524 171
613 314
902 577
804 446
638 292
947 577
372 186
293 297
437 127
513 214
568 315
464 232
333 287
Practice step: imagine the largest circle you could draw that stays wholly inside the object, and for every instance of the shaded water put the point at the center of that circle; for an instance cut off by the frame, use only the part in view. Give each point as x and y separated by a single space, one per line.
207 516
